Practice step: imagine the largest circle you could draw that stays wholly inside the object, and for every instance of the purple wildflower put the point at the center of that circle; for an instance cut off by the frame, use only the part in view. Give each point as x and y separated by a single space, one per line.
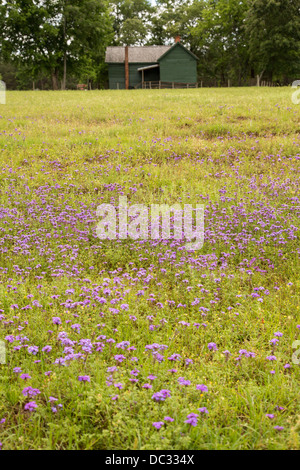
84 378
30 392
203 410
147 386
25 376
192 419
52 399
152 377
158 424
119 385
33 350
30 406
119 358
161 396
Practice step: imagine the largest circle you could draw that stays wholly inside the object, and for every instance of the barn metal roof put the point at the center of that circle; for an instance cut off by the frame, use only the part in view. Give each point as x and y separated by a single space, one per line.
116 54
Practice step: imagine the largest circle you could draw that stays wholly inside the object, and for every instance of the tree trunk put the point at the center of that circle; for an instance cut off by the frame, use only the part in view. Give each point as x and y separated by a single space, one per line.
54 77
259 77
64 80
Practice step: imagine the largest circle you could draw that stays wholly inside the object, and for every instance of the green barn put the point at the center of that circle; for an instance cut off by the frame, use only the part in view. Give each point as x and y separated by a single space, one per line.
151 67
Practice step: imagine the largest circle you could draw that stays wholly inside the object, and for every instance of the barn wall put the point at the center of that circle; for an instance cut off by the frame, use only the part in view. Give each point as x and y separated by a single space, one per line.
178 66
116 75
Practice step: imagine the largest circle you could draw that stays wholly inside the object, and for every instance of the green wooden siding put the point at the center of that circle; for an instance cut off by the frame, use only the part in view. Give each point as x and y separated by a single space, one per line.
177 65
116 75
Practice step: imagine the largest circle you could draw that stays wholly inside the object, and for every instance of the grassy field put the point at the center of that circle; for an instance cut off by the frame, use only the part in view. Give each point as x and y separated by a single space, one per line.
141 344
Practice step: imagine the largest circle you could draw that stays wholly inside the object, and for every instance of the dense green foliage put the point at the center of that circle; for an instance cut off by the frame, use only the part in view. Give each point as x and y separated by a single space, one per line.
60 43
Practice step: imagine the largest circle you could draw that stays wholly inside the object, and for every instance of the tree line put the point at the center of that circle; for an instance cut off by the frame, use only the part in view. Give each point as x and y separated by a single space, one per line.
58 44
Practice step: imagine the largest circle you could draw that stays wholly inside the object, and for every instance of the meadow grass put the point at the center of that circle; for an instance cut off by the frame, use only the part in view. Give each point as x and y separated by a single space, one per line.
74 307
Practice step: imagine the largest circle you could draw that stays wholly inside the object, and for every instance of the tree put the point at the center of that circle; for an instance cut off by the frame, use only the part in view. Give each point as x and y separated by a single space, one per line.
133 31
48 34
172 18
86 31
131 20
219 39
273 33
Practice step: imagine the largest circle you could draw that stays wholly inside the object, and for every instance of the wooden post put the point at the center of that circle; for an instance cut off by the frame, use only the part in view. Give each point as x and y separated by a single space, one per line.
126 69
172 84
159 84
142 78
